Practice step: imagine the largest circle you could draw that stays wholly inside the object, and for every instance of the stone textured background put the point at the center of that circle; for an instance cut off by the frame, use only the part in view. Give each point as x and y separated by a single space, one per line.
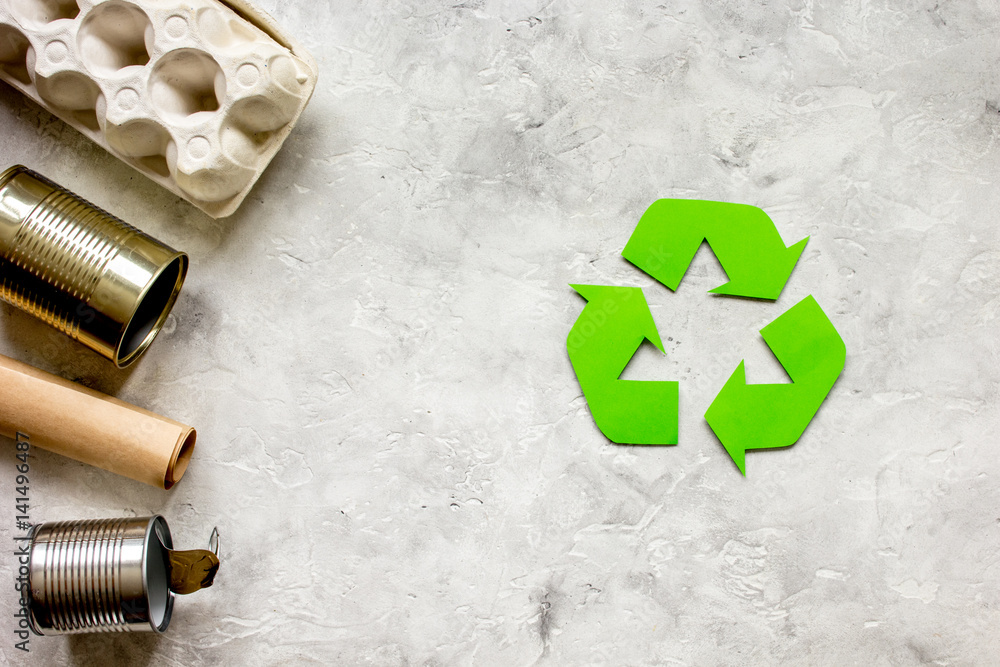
392 442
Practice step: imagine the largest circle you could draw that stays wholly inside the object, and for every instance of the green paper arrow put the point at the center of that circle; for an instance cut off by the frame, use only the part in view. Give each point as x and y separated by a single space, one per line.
743 238
607 334
766 416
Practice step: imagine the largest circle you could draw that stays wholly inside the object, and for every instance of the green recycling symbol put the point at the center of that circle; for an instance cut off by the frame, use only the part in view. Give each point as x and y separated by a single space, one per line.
616 320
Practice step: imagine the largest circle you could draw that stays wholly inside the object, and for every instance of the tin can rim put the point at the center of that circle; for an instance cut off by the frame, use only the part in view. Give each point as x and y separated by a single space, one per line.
156 572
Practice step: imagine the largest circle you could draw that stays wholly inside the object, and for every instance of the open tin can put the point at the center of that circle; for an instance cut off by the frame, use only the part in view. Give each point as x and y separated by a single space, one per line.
80 269
105 575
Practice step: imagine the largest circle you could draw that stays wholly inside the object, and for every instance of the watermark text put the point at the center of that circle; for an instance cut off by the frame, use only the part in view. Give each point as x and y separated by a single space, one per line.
22 522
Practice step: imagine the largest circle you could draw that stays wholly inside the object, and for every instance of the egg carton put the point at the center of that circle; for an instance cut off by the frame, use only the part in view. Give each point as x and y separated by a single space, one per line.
198 95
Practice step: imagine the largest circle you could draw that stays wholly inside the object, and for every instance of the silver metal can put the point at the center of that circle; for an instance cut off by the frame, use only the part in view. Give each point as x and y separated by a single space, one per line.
105 575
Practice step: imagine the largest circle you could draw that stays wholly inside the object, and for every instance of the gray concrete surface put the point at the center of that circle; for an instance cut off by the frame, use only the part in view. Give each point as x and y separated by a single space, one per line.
392 441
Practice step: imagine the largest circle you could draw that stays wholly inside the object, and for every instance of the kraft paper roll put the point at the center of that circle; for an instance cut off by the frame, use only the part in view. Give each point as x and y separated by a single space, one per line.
91 427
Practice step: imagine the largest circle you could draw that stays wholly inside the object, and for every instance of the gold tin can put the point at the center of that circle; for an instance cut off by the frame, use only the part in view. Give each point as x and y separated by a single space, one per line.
93 277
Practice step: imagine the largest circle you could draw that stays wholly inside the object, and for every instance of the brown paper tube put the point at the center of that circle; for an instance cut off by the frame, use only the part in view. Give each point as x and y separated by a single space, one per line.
91 427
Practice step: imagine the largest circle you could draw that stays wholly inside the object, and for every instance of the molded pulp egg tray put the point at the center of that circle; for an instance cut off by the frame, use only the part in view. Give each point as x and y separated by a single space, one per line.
198 95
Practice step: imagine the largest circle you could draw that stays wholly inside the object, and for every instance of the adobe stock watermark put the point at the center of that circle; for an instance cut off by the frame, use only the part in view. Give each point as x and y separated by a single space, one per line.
607 309
22 523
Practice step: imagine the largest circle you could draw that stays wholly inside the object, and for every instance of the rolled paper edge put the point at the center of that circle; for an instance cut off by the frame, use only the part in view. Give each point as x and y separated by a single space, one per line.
181 458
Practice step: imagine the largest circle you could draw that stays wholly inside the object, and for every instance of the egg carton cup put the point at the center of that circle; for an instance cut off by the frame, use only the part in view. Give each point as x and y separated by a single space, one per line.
198 95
